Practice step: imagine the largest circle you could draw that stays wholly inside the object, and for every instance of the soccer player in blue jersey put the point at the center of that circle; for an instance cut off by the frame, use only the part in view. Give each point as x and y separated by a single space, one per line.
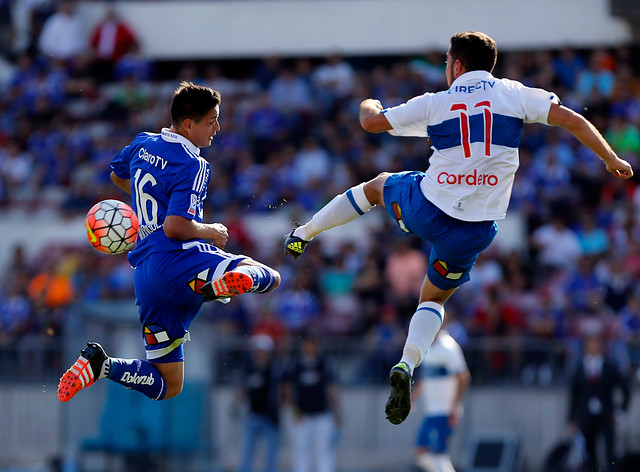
475 129
177 269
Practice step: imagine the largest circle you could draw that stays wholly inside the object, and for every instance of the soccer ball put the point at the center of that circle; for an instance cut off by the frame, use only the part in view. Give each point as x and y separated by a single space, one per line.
112 226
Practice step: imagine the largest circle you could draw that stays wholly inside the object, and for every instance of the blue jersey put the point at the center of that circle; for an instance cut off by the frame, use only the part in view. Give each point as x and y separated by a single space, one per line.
168 177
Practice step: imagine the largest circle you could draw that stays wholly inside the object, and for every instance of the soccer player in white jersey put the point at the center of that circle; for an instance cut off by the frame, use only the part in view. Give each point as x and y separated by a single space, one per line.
179 262
475 129
443 383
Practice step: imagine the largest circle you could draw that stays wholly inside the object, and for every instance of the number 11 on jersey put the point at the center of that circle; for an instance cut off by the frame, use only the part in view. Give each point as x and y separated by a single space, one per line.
465 130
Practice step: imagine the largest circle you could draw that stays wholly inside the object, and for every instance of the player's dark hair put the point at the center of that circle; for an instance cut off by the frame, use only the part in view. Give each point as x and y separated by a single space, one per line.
193 102
475 50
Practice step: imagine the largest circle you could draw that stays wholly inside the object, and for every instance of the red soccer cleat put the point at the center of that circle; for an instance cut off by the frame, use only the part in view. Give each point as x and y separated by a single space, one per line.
229 285
83 373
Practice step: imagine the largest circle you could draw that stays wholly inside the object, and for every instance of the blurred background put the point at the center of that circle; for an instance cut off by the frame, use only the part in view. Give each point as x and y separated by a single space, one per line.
78 80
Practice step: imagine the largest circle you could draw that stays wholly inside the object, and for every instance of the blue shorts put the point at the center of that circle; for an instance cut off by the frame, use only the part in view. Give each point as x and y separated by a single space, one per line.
455 244
167 287
434 433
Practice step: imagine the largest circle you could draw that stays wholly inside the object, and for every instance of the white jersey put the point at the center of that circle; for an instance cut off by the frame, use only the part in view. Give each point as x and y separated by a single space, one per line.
475 129
439 368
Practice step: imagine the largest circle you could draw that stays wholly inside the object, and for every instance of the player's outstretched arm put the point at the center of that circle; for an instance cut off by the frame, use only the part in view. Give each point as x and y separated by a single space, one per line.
588 135
371 118
184 229
124 184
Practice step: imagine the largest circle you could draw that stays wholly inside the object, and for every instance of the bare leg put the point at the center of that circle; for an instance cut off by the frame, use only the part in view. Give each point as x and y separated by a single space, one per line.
173 375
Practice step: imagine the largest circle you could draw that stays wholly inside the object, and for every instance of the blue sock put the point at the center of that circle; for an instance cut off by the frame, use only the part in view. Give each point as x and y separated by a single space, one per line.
264 278
138 375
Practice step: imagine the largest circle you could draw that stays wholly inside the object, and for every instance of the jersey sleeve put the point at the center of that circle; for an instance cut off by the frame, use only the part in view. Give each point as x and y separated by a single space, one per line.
120 164
457 362
537 103
410 118
189 190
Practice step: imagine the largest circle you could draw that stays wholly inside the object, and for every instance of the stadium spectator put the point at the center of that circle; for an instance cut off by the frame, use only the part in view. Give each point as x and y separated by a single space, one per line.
581 285
15 312
557 245
51 288
27 19
336 286
312 163
63 35
298 305
596 83
333 81
266 71
567 65
292 95
335 75
630 319
110 40
16 168
133 63
266 321
617 282
267 127
430 68
6 27
592 406
404 272
625 100
383 343
369 288
623 135
545 323
593 239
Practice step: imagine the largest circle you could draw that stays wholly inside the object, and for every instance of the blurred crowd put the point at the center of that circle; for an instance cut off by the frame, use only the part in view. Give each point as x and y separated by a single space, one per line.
290 140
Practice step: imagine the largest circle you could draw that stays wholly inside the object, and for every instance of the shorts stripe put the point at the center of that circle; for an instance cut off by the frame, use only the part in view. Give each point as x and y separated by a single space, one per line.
156 353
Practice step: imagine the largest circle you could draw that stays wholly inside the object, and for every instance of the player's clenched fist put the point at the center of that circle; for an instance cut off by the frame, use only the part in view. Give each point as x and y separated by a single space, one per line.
220 235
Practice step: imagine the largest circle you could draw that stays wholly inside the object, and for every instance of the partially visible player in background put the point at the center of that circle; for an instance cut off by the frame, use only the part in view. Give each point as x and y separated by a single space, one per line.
262 391
444 379
177 269
313 393
475 128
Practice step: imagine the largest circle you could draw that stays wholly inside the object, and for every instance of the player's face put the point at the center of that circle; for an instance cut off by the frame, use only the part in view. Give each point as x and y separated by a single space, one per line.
203 132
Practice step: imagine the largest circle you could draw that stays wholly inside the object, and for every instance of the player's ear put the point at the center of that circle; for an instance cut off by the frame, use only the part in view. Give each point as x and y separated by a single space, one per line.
458 68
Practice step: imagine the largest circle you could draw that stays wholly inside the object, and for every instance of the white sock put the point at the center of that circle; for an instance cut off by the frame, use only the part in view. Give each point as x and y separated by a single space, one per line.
106 366
443 463
425 462
429 462
424 326
342 209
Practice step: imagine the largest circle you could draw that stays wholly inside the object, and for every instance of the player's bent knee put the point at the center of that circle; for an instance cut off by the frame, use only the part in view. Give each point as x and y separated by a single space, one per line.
272 281
173 390
374 188
268 278
277 278
173 378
